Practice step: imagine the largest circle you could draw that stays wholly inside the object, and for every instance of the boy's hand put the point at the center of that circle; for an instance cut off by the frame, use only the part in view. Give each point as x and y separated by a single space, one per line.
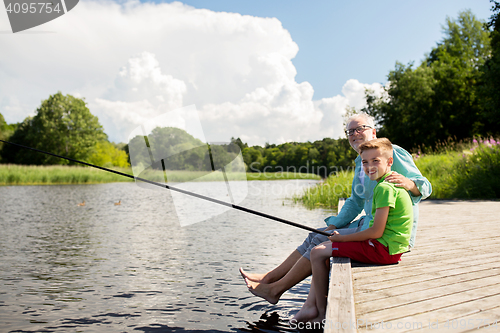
335 237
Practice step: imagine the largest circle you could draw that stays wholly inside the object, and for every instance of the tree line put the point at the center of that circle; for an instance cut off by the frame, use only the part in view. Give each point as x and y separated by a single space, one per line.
322 157
453 93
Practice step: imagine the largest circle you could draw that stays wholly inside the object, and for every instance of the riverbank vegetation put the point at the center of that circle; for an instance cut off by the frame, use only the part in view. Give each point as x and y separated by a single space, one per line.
14 174
456 170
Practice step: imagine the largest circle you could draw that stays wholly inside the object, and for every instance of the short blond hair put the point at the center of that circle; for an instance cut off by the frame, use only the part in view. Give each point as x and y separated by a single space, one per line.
383 144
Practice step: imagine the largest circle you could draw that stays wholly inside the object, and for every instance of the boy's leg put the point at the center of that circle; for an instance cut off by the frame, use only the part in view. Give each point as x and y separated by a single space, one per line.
320 269
308 311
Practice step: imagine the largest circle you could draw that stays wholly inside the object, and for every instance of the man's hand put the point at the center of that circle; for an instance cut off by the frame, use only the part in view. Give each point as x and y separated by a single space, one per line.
401 181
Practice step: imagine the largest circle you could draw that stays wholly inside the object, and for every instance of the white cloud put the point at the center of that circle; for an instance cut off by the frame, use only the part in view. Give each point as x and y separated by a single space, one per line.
134 61
354 91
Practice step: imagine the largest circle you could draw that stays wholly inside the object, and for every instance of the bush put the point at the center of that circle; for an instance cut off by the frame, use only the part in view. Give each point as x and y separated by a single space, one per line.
477 173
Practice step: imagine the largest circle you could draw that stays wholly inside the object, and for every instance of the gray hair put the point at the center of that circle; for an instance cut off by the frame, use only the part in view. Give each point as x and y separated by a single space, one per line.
370 121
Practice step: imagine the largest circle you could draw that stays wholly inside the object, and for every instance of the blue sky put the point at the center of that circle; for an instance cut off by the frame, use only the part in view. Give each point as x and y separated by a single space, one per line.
264 71
341 40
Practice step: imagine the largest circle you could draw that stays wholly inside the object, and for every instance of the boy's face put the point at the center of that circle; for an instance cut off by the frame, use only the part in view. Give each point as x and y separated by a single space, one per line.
375 163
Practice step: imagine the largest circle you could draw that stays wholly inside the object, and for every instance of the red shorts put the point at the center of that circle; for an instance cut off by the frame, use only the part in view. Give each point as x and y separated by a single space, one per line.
369 251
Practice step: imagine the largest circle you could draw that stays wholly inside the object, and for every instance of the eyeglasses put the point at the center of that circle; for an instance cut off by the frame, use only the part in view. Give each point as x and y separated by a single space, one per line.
358 130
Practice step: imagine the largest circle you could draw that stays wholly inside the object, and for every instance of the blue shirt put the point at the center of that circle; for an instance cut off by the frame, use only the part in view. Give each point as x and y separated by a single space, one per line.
362 193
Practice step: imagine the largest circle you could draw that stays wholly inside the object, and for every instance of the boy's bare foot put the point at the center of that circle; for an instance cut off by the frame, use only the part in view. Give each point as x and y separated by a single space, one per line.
262 290
318 319
306 313
253 277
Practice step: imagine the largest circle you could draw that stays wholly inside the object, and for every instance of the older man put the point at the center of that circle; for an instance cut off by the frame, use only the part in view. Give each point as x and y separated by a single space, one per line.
360 128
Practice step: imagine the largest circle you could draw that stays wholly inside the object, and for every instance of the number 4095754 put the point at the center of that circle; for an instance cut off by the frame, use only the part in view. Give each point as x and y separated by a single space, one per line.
40 7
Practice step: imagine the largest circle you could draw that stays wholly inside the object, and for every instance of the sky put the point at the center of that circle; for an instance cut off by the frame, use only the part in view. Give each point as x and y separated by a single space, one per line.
263 71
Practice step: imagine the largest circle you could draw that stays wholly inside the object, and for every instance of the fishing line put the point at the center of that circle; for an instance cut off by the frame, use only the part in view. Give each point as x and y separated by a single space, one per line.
199 196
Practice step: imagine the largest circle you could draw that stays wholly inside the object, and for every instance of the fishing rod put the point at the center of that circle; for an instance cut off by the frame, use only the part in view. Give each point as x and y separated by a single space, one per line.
200 196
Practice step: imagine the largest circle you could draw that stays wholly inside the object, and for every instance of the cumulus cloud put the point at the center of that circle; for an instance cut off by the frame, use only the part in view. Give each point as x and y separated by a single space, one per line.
134 61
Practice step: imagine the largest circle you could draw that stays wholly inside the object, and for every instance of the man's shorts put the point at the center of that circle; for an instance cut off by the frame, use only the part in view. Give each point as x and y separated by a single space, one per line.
369 251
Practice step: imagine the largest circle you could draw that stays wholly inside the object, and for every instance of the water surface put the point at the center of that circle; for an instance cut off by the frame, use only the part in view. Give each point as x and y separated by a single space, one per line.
131 267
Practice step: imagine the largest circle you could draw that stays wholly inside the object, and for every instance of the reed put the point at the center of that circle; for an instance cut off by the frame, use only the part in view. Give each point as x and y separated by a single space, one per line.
327 193
464 170
13 174
280 175
440 170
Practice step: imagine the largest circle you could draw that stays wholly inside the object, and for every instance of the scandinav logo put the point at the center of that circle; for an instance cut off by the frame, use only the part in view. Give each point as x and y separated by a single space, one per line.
26 14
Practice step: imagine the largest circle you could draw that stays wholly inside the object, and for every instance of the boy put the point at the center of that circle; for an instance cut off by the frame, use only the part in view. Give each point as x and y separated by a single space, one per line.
386 239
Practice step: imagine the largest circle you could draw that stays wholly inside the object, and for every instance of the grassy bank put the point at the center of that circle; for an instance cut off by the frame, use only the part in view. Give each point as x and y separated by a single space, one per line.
327 193
469 172
466 170
280 175
11 174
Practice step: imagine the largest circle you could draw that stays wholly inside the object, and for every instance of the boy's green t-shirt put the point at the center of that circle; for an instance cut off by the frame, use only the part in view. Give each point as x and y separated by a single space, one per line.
400 220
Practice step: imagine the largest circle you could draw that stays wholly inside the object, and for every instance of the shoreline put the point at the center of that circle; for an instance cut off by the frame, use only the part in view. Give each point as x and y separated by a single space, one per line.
35 175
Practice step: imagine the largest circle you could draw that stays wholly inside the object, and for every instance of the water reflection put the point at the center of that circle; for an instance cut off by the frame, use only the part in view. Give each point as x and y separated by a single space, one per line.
131 267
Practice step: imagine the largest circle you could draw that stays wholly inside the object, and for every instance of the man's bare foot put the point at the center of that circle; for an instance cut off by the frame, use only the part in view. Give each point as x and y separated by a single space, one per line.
253 277
306 313
262 290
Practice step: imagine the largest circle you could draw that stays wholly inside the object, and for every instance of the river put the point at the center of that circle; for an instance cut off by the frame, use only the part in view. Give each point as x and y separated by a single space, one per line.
131 267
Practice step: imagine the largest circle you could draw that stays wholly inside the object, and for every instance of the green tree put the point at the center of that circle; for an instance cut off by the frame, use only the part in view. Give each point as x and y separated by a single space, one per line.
106 154
6 132
175 149
490 88
438 99
62 125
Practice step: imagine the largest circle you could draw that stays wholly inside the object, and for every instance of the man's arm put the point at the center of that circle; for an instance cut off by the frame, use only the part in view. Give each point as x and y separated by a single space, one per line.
352 206
408 176
374 232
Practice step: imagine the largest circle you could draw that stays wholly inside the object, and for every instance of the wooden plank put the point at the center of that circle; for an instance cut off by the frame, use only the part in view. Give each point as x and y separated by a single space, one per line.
340 204
416 268
456 281
402 277
451 276
488 320
424 269
340 314
428 319
428 294
410 280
